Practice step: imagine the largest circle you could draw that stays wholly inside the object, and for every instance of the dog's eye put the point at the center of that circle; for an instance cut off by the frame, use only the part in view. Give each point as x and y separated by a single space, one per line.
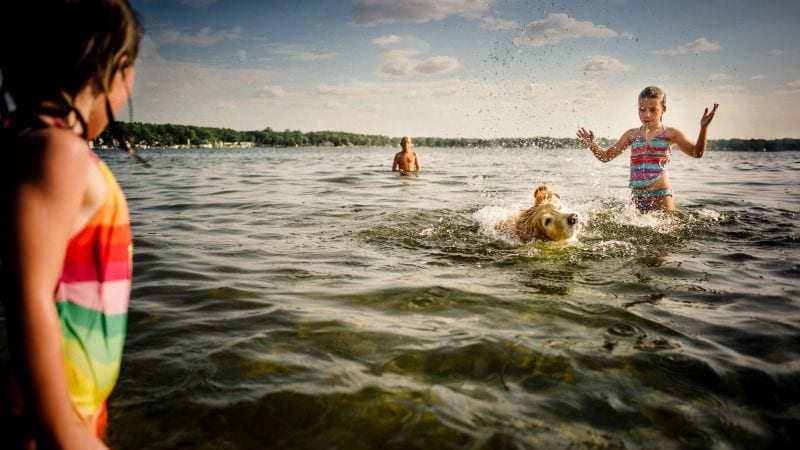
548 221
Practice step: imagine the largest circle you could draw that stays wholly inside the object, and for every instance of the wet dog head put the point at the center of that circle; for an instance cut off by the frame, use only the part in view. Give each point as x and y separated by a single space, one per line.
545 221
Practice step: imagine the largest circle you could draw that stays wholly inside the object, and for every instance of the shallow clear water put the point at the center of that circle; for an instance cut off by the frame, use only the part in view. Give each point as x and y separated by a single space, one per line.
310 298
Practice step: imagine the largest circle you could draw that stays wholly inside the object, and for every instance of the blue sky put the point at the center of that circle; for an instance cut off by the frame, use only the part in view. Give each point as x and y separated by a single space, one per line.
469 68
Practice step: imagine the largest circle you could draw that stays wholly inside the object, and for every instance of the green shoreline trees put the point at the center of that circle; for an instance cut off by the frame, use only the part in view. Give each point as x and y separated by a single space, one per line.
146 135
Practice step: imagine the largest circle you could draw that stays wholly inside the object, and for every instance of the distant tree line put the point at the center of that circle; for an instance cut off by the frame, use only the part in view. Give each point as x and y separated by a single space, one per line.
169 135
755 145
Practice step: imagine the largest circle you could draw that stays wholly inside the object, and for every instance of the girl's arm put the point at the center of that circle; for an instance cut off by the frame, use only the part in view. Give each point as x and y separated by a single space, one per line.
605 155
47 203
690 148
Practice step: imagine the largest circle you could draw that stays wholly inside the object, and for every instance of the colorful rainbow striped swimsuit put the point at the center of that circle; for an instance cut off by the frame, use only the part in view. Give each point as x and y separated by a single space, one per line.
649 160
92 302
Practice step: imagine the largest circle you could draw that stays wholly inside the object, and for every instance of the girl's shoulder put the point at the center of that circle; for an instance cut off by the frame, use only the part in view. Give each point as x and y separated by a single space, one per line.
672 131
53 140
630 135
52 149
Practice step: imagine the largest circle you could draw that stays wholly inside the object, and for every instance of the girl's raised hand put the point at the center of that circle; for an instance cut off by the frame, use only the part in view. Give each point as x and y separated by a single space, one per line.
587 137
708 116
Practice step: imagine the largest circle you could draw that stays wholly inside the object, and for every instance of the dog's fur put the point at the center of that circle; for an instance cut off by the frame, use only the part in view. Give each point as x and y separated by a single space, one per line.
542 195
544 221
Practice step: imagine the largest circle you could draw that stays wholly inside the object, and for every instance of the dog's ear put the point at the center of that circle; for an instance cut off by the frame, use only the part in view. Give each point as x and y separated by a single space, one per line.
540 194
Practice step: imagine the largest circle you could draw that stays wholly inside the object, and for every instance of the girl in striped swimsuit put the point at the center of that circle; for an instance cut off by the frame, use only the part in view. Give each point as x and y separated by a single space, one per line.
651 148
65 241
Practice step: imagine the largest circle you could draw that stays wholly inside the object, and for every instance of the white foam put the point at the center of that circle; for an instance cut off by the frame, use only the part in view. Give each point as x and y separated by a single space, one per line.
426 232
489 217
710 214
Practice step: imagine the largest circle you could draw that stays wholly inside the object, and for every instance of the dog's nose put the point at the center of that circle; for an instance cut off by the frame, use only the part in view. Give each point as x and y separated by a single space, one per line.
572 219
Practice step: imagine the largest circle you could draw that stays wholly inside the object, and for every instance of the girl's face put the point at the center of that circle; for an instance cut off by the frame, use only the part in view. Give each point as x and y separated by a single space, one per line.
118 92
650 111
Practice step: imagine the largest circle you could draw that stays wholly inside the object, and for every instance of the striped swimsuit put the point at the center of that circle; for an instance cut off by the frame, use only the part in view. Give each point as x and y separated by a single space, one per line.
649 160
92 302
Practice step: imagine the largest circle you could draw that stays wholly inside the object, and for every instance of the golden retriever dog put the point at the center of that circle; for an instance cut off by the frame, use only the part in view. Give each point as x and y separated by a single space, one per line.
544 221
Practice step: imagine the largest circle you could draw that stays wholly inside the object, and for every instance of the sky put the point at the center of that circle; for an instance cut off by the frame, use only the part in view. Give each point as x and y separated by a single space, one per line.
469 68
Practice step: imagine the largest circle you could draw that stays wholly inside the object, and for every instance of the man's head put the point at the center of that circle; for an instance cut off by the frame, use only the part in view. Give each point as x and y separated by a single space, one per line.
405 143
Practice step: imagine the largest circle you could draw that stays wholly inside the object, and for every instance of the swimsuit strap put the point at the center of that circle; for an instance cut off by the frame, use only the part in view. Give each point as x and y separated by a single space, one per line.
639 132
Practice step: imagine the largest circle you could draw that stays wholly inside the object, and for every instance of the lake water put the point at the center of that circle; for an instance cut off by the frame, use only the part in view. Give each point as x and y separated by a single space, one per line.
310 298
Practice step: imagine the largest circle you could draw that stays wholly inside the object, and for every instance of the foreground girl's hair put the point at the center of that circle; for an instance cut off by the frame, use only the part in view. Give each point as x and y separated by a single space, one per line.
52 49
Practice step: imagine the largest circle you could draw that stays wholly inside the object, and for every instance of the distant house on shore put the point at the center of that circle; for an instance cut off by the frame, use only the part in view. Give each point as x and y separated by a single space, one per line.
237 144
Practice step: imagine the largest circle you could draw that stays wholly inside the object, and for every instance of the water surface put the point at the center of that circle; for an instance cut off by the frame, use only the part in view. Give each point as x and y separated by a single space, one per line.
310 298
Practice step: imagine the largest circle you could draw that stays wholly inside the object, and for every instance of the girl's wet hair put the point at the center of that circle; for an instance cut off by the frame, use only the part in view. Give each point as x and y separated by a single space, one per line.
50 50
654 92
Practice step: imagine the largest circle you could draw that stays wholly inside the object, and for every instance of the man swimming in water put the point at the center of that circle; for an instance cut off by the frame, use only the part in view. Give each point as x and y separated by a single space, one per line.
406 161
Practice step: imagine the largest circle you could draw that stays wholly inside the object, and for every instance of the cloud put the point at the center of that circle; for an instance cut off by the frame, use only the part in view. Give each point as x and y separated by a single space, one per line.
793 85
560 26
206 37
729 88
719 77
789 89
296 53
182 92
400 58
198 3
393 41
273 91
701 45
404 63
603 63
387 40
493 23
758 77
398 54
373 12
360 90
436 65
781 53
